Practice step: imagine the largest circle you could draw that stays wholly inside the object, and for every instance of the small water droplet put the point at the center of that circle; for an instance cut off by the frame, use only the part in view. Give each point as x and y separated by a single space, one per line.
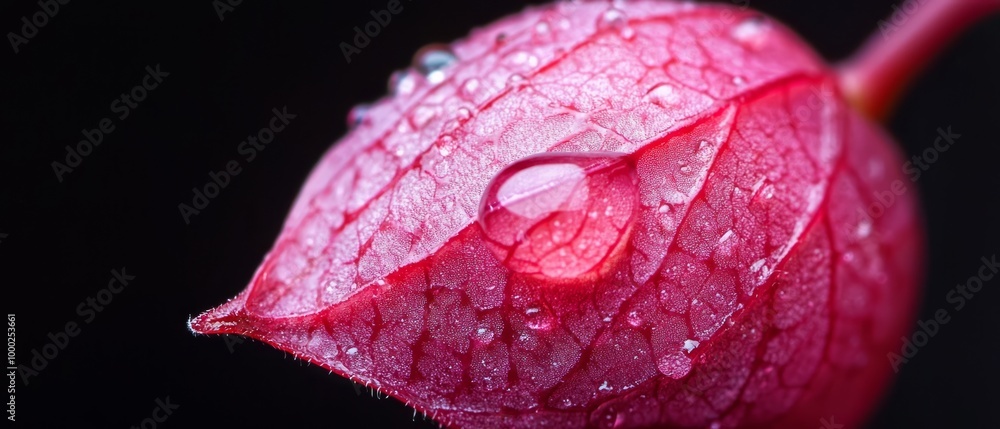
738 81
627 33
401 83
357 115
563 24
523 60
536 318
663 95
443 150
542 28
537 209
352 351
768 192
431 61
634 319
539 323
663 208
515 79
674 366
484 335
421 115
470 89
605 387
864 228
751 32
613 19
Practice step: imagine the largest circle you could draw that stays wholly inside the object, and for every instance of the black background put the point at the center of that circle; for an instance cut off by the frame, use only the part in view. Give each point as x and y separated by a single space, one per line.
119 207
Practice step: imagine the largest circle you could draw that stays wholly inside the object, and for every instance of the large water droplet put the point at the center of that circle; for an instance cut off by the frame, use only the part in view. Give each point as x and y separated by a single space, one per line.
431 61
560 215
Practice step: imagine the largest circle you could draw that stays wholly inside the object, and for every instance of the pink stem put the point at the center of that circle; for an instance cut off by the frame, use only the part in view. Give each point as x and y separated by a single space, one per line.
875 76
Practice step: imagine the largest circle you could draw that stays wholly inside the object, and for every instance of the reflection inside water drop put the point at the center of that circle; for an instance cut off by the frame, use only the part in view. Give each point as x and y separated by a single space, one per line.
560 215
431 61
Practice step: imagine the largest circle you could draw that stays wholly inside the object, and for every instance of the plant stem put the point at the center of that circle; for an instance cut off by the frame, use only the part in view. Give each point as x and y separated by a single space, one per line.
875 76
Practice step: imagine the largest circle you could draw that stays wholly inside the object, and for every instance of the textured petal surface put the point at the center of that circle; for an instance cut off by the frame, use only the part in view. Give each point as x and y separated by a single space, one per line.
751 289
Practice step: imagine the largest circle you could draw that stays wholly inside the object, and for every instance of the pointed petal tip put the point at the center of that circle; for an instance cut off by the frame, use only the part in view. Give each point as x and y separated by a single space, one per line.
228 318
